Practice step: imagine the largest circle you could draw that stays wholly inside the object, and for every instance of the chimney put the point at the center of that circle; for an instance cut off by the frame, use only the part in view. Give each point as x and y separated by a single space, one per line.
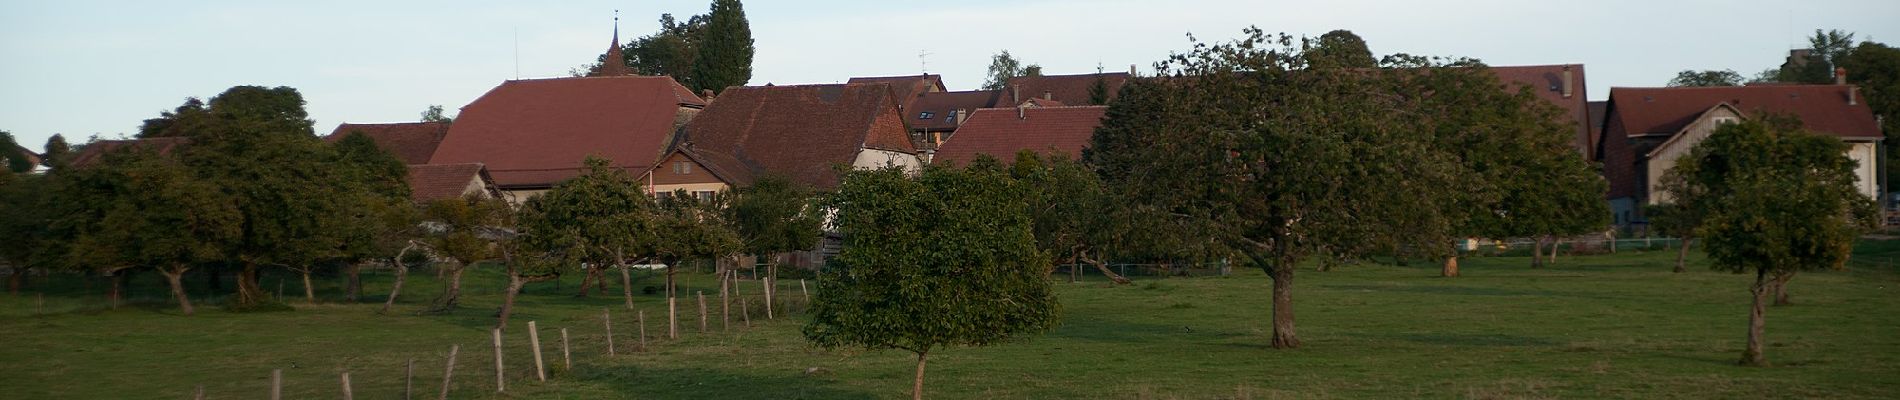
1015 94
962 115
1131 69
1569 83
706 94
1019 112
1840 76
1852 100
1047 95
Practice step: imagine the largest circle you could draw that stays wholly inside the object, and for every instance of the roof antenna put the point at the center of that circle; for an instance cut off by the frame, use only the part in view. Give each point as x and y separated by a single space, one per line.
923 63
517 52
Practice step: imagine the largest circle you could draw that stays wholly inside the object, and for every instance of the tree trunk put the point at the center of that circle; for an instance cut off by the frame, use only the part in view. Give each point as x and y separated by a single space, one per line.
1554 243
917 386
1781 289
1537 253
176 277
353 283
249 292
1752 355
626 284
1450 268
1099 266
600 281
1283 334
508 300
1682 255
16 280
309 293
586 278
402 271
117 294
452 292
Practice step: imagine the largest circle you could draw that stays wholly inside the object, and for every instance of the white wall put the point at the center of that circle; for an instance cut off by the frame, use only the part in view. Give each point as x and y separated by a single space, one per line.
874 158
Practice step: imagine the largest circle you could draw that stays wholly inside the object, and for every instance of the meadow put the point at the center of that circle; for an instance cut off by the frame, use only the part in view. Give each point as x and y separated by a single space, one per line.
1604 326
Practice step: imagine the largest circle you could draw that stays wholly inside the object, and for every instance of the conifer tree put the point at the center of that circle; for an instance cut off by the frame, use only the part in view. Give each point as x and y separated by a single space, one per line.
725 48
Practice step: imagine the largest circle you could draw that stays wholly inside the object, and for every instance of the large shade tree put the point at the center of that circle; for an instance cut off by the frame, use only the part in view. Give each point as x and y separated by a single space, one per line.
945 259
146 210
1075 217
1275 161
463 231
1783 201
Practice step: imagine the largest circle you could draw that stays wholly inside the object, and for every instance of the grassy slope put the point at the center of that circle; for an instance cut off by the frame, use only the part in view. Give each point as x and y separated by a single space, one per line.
1604 326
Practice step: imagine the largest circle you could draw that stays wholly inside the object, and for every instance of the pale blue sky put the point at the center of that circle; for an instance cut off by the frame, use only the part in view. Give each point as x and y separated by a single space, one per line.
100 67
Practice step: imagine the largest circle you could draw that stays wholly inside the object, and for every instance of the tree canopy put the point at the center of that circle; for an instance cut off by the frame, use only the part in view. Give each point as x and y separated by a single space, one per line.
774 215
1004 66
724 49
1338 49
1692 78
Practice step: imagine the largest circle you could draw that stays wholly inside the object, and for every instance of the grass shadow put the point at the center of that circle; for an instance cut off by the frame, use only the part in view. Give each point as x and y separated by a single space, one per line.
702 383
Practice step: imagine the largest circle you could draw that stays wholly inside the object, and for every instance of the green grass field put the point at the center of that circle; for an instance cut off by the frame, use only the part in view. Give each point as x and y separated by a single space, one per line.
1611 326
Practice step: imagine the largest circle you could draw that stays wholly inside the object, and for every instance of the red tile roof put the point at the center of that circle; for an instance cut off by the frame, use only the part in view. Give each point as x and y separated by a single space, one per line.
613 63
535 133
31 157
413 142
942 106
797 131
1001 134
907 88
1822 108
1547 82
93 152
1068 89
430 182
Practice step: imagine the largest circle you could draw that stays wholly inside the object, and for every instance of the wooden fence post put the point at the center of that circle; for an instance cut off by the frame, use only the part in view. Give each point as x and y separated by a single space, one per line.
409 379
672 317
643 330
501 385
725 302
448 372
277 384
806 292
566 359
606 318
767 283
39 303
534 338
702 311
346 387
745 312
198 393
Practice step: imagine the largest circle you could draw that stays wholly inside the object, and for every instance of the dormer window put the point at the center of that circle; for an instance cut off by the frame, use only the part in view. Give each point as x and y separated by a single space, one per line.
926 115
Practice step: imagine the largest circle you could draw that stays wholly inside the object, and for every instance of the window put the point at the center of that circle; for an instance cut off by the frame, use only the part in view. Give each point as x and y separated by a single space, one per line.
1719 121
951 116
703 195
682 167
662 195
926 115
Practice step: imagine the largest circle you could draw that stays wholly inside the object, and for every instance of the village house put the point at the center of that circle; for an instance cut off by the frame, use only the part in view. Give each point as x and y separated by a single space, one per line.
934 117
93 153
432 182
799 132
1002 132
414 143
1563 86
1065 89
1647 129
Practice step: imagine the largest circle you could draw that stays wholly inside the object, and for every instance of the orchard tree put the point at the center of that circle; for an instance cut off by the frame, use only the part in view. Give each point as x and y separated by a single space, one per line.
692 228
152 212
1782 200
724 48
1706 78
33 223
599 218
948 258
1682 213
775 215
378 219
1074 216
1276 161
463 231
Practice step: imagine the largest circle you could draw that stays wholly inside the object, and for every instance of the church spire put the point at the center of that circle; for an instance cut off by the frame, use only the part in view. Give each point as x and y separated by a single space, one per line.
614 62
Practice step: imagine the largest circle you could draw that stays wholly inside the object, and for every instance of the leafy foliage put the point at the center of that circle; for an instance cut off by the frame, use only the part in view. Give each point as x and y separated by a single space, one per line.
58 152
1704 78
774 215
724 48
947 258
1875 68
1004 66
11 153
434 114
1338 49
600 217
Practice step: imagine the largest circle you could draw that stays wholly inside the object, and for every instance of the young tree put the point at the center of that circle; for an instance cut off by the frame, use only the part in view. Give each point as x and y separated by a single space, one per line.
463 231
691 228
945 259
1705 78
775 215
724 48
599 218
1276 161
150 212
1782 201
1682 215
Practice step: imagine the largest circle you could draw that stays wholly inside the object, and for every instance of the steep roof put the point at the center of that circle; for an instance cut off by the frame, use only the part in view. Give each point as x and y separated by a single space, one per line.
94 152
797 131
1824 109
614 62
906 88
535 133
941 105
31 157
430 182
1547 81
413 142
1068 89
1000 133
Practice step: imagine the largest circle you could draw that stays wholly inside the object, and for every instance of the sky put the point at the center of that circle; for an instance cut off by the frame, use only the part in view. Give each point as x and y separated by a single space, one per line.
85 68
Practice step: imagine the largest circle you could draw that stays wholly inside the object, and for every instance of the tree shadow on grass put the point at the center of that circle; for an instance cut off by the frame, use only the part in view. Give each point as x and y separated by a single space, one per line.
1465 291
1484 340
701 383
